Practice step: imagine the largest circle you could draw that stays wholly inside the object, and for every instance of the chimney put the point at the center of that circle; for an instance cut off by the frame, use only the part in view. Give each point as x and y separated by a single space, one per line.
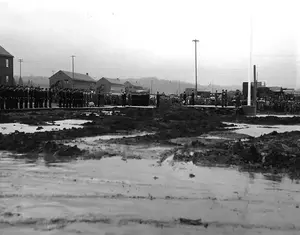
87 74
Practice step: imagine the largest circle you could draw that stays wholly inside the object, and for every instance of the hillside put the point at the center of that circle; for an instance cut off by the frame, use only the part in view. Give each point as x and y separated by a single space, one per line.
36 80
173 87
160 85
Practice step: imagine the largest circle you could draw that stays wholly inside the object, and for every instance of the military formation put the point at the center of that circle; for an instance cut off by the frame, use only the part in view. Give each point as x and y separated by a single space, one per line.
68 98
20 97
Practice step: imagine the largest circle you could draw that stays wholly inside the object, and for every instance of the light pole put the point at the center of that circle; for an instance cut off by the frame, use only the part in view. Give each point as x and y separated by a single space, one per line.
20 61
73 56
196 89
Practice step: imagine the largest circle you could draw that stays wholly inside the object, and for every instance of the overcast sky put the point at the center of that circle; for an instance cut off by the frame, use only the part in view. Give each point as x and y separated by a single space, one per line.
126 38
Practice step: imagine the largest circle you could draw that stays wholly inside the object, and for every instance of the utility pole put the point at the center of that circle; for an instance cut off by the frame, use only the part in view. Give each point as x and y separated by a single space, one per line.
255 89
73 56
151 86
196 89
20 61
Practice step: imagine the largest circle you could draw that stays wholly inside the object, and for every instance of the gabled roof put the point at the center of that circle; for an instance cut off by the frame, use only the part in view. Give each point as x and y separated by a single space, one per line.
136 85
4 52
116 81
79 76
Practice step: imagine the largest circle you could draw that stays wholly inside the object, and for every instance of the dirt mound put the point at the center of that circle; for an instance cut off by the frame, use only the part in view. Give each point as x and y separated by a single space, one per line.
268 152
280 151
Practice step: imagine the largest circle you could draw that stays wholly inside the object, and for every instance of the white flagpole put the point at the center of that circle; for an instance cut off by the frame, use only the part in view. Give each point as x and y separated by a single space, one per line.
250 71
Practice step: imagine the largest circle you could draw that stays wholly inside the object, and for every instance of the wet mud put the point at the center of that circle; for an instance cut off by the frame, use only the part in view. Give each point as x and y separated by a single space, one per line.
148 171
143 197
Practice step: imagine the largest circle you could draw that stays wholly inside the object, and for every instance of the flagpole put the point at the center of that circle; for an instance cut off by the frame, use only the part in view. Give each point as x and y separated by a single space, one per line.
250 71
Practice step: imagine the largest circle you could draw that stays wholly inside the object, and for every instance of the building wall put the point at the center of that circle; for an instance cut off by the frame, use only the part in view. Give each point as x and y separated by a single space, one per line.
6 73
130 88
83 85
67 82
104 86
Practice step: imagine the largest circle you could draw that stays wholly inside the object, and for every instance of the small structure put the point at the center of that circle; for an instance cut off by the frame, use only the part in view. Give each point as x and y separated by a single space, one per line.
6 67
260 85
112 86
189 91
64 79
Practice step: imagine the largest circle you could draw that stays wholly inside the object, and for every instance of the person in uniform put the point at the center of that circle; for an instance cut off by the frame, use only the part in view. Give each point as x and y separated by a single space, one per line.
184 98
63 97
16 98
123 100
1 97
157 99
21 97
223 98
7 97
237 99
98 98
74 98
60 98
30 96
50 97
193 99
46 98
81 98
26 97
42 95
35 97
216 98
70 98
226 98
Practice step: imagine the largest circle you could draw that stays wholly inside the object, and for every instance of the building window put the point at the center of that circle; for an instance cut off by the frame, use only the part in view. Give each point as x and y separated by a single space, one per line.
6 79
7 63
67 81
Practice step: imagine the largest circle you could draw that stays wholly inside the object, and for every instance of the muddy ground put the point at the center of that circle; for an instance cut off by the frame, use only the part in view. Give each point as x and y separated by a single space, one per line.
148 171
164 126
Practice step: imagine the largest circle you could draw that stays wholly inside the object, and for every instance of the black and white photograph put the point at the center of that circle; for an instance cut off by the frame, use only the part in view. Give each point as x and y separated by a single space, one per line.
149 117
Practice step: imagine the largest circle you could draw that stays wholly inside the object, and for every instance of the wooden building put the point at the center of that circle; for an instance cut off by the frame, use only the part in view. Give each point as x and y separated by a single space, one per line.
110 86
64 79
6 67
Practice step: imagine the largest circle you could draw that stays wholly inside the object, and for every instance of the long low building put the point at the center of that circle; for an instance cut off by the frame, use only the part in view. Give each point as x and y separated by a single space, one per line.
64 79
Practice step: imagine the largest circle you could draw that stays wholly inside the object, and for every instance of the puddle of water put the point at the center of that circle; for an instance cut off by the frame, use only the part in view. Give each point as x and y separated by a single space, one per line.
211 137
258 130
7 128
276 115
214 137
109 188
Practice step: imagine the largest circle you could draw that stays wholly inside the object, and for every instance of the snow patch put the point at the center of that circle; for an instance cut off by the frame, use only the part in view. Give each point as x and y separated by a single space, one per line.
8 128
